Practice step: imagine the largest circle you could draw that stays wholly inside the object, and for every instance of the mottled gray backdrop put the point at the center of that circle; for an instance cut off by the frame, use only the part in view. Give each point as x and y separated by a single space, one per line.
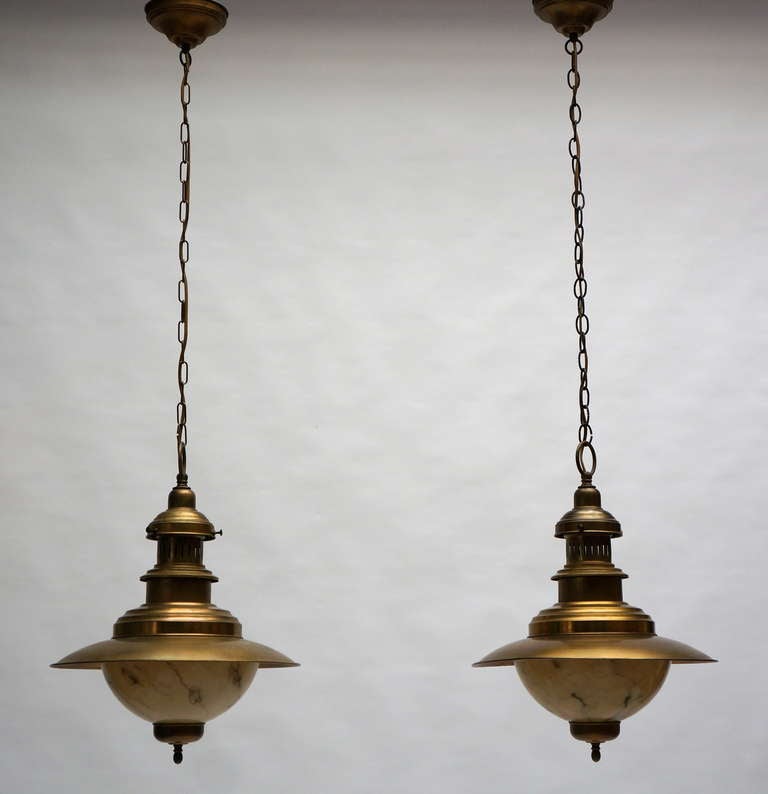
383 381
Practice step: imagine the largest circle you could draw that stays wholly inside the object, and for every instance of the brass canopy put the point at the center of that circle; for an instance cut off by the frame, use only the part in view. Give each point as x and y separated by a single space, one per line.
186 23
572 17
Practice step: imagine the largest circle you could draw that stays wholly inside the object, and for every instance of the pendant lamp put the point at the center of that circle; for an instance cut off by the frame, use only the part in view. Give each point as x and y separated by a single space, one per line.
178 660
590 659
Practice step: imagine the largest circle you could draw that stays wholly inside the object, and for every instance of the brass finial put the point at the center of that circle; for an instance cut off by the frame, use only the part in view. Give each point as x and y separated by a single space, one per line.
178 753
596 751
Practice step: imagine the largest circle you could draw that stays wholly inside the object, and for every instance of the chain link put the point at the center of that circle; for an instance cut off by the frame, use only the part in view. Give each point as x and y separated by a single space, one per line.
574 47
182 329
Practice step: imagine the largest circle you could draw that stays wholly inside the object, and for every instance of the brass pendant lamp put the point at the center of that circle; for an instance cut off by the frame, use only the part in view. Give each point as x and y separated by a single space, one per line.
178 660
591 659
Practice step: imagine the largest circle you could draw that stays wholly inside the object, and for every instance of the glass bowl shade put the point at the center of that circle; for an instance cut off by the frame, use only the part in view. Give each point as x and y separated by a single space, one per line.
178 691
592 690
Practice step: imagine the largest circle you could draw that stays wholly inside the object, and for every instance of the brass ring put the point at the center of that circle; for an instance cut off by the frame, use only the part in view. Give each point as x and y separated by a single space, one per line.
583 470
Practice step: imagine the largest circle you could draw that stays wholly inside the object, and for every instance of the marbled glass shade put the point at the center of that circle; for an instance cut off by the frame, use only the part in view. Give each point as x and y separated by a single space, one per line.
592 690
179 692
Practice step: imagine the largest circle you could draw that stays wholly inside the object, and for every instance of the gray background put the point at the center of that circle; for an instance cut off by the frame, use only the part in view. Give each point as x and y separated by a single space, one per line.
383 381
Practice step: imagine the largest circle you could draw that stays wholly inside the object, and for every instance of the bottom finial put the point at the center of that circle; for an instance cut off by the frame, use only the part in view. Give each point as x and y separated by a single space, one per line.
595 733
178 753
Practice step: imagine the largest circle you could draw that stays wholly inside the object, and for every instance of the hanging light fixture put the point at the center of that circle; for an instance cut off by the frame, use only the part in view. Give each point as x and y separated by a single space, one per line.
178 660
591 659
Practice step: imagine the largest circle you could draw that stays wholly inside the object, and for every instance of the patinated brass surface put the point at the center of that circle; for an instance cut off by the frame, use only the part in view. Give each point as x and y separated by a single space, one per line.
177 622
587 517
187 23
572 17
594 646
174 648
177 735
591 623
181 518
595 733
591 620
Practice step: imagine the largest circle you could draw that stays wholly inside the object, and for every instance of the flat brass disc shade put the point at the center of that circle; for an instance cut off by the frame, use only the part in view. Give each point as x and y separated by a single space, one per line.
597 646
174 649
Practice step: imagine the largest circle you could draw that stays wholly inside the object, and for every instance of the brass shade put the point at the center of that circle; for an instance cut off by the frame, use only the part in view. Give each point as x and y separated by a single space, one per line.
174 649
177 660
594 646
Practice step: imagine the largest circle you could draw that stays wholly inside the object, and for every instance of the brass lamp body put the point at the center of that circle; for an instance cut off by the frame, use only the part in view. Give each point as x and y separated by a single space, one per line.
178 631
592 658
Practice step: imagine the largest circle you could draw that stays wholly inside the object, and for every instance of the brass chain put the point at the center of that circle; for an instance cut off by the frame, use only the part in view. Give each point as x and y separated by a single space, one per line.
182 329
574 47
